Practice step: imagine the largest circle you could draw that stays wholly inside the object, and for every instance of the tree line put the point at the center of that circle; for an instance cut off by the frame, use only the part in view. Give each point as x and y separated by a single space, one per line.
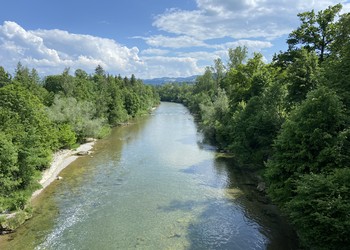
289 121
40 116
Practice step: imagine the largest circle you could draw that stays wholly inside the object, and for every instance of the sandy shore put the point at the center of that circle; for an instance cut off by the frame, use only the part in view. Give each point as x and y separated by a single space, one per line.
61 159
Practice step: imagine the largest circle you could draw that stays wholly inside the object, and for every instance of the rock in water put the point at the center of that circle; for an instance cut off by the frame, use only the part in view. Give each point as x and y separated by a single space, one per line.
80 153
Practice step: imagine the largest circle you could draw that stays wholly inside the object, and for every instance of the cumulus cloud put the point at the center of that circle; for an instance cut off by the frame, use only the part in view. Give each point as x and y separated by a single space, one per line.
171 66
239 19
221 50
173 42
152 51
52 50
253 45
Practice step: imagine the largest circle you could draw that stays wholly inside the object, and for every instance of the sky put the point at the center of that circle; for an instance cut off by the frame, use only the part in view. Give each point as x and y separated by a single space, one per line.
148 38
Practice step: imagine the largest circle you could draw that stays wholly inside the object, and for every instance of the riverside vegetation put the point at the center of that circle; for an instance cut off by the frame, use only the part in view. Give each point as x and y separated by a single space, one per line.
289 121
39 117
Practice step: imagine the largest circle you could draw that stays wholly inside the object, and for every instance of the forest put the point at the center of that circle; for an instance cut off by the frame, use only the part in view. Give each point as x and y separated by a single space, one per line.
40 116
288 120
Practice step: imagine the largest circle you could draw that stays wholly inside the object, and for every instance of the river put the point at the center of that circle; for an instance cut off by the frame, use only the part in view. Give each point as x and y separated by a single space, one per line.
153 185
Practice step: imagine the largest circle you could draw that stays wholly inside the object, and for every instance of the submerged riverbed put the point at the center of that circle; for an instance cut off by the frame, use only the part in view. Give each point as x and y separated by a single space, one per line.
153 185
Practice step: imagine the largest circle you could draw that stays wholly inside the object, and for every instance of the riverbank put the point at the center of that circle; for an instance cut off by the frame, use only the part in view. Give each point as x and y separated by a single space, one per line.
61 160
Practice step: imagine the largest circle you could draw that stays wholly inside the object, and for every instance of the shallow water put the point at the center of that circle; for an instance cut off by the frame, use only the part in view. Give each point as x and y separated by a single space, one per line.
153 185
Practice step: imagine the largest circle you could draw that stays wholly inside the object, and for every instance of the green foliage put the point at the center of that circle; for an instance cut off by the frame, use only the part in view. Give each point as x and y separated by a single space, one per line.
66 136
8 166
337 74
219 71
115 107
237 56
205 84
5 77
301 77
60 84
30 80
320 209
28 138
175 92
212 114
253 130
312 140
247 80
132 103
317 31
78 115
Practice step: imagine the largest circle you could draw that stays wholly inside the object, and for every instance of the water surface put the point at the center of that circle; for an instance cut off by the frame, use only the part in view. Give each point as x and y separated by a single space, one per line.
153 185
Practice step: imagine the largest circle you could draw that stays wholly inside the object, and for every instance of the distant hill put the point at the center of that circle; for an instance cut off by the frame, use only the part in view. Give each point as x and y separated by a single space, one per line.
163 80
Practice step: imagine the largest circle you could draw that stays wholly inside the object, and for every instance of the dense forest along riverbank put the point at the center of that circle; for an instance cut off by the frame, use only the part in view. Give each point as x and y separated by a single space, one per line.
153 185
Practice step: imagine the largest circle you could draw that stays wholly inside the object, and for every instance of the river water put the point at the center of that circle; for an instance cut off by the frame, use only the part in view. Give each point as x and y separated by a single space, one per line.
153 185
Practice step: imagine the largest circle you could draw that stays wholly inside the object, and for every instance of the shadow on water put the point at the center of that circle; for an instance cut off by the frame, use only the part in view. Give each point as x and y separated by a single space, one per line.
243 218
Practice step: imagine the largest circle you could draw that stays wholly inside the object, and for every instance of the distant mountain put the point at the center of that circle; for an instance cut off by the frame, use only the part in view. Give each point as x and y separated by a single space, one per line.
163 80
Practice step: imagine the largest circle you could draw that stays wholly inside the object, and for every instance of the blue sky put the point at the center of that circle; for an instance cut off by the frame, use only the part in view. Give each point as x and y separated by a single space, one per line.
148 38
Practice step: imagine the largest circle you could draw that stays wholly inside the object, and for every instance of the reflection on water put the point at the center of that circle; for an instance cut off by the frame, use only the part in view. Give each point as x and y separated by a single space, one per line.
153 185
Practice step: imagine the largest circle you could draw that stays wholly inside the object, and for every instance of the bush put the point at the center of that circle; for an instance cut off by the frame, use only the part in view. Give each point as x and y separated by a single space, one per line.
66 136
312 140
320 210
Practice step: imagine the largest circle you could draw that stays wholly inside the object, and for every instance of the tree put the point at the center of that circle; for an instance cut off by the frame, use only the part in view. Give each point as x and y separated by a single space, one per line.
80 116
131 102
212 116
30 80
27 139
99 71
313 139
8 166
53 84
5 77
132 80
337 74
66 135
301 77
317 31
342 36
237 56
242 83
205 83
218 71
255 123
320 210
116 112
83 87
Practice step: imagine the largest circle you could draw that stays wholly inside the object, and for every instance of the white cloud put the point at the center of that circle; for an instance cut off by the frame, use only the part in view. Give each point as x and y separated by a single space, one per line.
239 19
253 45
203 55
173 42
157 52
157 66
221 51
52 50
